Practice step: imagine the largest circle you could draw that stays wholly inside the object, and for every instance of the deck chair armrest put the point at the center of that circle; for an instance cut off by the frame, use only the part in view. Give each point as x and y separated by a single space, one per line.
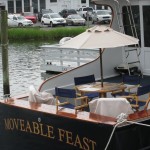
78 94
115 92
81 106
83 99
64 103
80 98
129 97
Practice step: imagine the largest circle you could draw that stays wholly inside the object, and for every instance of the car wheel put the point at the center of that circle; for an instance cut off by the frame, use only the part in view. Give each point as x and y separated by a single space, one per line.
72 23
42 23
84 17
108 21
51 24
20 25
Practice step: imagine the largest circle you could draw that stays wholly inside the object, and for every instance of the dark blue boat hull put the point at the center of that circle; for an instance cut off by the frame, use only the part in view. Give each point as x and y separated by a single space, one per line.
25 129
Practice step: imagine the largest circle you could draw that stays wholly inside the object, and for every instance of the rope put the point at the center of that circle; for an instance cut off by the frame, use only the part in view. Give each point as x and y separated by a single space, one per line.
142 124
121 119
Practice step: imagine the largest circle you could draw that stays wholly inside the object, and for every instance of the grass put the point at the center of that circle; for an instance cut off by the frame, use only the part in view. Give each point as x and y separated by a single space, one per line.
39 34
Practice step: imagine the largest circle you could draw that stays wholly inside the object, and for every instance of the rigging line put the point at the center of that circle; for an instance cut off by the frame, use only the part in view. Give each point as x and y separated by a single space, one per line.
137 123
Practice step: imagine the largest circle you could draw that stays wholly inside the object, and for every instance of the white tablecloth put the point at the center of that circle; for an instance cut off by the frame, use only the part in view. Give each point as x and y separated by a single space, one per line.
111 107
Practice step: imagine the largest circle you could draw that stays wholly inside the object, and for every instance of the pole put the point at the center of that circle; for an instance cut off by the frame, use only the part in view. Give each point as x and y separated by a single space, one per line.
101 67
4 43
87 18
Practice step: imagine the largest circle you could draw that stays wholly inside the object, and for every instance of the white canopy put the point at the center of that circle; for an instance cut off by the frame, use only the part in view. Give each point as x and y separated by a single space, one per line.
100 37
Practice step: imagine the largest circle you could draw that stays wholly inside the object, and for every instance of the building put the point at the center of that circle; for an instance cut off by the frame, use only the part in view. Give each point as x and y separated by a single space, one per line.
18 6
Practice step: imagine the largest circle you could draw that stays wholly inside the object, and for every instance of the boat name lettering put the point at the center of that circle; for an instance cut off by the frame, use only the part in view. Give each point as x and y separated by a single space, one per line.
50 132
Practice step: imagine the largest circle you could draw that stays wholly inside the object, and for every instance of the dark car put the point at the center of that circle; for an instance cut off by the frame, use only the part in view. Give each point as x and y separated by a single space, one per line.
44 11
65 12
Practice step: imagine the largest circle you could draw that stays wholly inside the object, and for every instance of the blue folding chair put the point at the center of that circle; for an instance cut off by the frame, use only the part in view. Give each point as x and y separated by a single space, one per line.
86 80
132 82
64 96
141 98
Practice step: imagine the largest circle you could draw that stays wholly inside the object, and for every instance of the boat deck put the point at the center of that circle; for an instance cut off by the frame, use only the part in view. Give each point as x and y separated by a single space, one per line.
118 79
70 113
21 101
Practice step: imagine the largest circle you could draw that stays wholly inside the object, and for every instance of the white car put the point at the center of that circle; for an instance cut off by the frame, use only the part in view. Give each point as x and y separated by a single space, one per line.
75 19
53 19
103 16
86 12
18 20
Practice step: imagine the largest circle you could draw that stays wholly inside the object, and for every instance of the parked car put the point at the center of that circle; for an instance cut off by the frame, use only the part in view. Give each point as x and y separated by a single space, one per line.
53 19
103 16
86 12
44 11
18 20
31 16
65 12
75 20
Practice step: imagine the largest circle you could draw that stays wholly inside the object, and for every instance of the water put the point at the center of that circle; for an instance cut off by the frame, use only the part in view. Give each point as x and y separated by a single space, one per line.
24 68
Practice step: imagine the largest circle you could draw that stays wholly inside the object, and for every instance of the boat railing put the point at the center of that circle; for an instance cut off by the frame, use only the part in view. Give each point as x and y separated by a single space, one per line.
63 59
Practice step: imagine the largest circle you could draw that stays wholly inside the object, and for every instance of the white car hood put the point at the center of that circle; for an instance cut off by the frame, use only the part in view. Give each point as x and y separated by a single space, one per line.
104 16
57 19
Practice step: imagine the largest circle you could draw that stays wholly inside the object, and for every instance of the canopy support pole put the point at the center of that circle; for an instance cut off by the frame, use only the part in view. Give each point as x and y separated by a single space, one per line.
101 67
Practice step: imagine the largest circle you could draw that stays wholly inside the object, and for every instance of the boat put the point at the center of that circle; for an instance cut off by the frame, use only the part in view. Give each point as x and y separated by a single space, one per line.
32 126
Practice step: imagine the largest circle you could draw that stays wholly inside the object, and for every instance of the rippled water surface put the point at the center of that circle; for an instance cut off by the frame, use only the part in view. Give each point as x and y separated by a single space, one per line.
24 68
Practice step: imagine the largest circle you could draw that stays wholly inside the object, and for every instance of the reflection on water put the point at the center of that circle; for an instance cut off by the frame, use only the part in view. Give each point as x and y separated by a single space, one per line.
24 68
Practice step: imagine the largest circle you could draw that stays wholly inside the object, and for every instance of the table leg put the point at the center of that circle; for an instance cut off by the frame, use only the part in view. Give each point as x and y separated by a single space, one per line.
102 95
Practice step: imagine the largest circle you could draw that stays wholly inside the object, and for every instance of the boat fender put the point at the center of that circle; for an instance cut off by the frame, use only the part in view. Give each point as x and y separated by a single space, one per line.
64 39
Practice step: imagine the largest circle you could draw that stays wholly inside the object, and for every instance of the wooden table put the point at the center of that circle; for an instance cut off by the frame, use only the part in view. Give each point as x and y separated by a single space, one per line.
96 87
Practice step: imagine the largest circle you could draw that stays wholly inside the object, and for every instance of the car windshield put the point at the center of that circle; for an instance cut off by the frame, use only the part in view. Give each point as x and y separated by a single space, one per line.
87 9
71 11
28 14
21 17
102 13
76 17
55 16
46 11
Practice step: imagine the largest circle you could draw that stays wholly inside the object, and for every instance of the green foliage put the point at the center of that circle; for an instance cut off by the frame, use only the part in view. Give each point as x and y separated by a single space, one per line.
42 34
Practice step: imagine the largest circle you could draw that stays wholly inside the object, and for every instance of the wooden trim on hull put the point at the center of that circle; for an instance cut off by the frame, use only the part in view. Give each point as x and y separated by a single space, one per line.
50 109
82 115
